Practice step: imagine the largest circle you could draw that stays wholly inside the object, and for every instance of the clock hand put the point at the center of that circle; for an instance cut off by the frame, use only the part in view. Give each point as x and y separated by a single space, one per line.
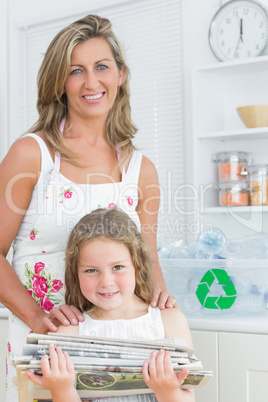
241 29
237 46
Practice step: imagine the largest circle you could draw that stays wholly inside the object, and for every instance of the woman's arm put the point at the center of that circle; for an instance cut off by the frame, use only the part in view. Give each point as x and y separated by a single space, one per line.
147 209
19 172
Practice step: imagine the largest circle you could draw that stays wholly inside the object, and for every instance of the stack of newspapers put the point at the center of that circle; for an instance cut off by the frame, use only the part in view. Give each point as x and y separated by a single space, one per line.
104 367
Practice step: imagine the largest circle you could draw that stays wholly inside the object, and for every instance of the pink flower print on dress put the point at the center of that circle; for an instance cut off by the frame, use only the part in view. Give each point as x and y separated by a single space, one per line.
68 194
9 347
40 285
112 205
65 193
56 285
38 267
43 252
46 304
33 234
130 201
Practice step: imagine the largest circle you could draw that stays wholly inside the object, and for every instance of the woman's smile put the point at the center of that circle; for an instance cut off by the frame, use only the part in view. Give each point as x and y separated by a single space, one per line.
95 97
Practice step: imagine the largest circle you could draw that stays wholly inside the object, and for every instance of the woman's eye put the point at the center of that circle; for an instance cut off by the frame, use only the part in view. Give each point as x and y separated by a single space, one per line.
76 71
102 67
118 267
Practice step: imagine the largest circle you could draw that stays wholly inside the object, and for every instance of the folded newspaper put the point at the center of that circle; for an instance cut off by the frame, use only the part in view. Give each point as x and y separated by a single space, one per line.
104 367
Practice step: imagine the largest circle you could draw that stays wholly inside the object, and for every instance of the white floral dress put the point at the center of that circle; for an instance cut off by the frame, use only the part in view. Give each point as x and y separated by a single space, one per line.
38 250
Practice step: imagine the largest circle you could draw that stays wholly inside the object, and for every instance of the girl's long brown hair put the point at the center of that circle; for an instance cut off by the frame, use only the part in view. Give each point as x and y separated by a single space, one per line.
115 225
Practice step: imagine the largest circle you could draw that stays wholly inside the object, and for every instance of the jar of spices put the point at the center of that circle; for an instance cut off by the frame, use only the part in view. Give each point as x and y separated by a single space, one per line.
257 177
230 164
233 193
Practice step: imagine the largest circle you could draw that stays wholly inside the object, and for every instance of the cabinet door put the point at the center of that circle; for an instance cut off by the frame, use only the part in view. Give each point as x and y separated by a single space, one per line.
206 349
243 367
3 351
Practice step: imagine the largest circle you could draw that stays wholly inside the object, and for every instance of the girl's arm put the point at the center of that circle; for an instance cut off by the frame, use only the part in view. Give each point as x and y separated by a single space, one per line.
147 209
58 376
158 373
19 172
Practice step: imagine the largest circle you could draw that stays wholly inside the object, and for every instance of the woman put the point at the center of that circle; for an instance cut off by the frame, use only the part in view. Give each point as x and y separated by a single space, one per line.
79 158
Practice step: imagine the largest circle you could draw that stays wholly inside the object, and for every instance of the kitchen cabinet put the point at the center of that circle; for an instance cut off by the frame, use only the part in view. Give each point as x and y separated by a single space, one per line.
218 89
243 367
240 365
206 346
3 350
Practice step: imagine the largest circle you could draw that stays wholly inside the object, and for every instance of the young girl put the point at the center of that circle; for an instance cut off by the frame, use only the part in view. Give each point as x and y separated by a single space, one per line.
109 278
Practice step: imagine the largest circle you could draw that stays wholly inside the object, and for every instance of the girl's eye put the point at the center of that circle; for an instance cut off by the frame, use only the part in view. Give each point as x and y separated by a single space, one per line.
102 67
91 270
76 71
118 267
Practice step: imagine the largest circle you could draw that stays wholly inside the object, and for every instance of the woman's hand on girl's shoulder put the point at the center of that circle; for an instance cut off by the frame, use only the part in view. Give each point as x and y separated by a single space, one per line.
163 299
63 319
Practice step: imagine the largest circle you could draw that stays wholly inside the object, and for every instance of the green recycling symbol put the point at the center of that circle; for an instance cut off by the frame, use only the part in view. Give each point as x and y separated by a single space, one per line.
223 302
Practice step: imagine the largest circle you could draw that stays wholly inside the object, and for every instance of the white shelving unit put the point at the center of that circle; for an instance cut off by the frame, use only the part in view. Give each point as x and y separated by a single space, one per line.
218 89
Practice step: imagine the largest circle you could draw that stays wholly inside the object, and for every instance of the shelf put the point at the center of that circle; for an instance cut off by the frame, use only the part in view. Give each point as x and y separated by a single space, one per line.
226 210
248 65
245 133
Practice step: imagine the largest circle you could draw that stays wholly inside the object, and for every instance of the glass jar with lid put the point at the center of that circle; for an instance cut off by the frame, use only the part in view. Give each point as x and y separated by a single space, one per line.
233 193
230 164
257 177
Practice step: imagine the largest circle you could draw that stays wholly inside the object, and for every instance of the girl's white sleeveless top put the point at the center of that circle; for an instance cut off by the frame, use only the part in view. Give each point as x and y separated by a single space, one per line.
57 204
147 327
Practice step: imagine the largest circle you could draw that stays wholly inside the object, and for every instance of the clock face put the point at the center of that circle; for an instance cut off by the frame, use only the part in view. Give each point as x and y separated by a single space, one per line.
239 30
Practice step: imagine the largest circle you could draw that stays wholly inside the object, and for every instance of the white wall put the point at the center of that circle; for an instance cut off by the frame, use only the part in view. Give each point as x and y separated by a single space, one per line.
3 78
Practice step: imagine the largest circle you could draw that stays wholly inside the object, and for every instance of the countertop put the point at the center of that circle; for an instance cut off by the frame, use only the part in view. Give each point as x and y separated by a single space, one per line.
247 324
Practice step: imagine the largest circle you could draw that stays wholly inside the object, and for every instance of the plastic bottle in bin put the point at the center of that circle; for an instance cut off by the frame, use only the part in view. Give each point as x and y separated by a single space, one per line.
209 244
249 304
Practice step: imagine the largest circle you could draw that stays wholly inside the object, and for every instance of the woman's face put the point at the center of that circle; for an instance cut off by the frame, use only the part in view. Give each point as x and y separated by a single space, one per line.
93 81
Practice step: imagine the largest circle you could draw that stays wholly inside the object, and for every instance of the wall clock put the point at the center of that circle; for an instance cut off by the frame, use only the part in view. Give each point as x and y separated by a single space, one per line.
239 30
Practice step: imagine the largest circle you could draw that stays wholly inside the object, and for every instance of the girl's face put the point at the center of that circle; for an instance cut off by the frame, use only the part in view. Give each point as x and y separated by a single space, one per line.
93 81
107 278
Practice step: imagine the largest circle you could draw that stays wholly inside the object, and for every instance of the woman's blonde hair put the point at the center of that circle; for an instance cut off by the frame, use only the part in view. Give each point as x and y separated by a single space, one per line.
117 226
52 103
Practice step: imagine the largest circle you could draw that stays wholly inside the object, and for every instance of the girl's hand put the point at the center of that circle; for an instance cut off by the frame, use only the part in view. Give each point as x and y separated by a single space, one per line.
58 375
159 375
163 299
64 315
